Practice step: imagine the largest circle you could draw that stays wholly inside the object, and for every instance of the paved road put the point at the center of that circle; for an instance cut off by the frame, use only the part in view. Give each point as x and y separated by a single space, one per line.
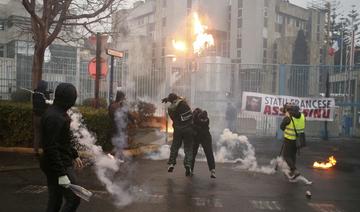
154 189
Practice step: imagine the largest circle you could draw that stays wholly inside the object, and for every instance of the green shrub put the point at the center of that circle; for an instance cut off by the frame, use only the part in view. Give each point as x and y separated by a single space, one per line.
16 124
98 122
21 96
90 102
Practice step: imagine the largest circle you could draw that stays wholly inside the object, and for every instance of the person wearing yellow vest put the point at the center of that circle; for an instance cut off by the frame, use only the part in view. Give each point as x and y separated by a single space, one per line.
293 119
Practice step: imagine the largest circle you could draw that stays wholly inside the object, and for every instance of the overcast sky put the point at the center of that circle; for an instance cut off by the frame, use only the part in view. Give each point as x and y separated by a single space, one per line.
345 4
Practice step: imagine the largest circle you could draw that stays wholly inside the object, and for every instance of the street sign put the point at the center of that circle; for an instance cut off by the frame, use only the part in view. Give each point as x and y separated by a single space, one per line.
92 67
114 53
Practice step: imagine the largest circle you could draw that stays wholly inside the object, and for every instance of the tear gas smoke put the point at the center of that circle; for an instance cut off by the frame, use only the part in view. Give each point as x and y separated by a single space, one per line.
105 166
226 148
120 139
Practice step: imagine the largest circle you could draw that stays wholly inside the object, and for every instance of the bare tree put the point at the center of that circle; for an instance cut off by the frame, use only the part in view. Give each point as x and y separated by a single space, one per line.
51 19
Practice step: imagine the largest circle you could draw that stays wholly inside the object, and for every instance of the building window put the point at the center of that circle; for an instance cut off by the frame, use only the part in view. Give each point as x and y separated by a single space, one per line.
239 23
264 43
239 53
265 12
189 3
297 23
264 56
2 25
240 3
240 12
238 43
163 21
2 50
265 22
266 3
279 19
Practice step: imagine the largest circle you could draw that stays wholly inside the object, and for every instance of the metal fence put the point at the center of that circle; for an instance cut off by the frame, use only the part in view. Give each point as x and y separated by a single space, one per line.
209 86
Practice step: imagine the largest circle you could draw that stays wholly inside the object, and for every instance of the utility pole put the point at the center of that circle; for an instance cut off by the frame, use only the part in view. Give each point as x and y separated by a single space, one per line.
98 69
327 85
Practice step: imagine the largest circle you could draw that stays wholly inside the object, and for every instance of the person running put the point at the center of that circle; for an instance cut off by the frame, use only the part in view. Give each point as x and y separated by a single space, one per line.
203 137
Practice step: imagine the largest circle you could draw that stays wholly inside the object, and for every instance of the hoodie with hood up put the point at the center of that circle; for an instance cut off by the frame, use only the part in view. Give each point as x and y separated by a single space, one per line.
58 147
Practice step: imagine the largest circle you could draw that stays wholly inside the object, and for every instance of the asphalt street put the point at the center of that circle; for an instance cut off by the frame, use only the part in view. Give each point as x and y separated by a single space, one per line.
23 186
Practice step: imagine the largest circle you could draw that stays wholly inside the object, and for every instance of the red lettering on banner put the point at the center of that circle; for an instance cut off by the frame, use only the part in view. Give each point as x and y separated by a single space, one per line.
267 110
326 113
317 113
306 112
275 111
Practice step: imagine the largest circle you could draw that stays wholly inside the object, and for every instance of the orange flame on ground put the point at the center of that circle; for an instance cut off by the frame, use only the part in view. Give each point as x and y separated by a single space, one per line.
202 40
169 127
330 163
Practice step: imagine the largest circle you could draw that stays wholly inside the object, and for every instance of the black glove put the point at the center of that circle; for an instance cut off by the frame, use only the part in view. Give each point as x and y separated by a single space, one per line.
164 100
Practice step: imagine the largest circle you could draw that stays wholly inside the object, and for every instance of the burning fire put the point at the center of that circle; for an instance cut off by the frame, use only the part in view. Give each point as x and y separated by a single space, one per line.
179 45
202 39
330 163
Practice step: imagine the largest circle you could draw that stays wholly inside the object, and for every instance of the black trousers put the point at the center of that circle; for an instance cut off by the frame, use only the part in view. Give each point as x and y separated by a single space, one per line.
204 138
186 135
289 153
57 193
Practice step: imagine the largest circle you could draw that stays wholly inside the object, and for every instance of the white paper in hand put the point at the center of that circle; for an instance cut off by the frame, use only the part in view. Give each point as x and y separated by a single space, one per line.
81 192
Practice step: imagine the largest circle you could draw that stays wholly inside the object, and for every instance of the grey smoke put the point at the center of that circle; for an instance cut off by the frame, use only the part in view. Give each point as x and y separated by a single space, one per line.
105 165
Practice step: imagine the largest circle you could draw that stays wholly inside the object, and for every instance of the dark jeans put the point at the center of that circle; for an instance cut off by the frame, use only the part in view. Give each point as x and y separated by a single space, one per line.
289 153
37 132
205 140
186 135
57 193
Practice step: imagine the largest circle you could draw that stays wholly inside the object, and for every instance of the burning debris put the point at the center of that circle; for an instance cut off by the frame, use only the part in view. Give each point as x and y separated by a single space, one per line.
322 165
202 40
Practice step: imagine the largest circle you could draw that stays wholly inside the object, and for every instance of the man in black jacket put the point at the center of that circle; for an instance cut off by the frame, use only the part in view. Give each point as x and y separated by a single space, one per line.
59 155
203 137
181 116
39 101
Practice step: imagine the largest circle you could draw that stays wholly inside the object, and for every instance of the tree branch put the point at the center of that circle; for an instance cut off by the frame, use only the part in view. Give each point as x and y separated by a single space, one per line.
91 15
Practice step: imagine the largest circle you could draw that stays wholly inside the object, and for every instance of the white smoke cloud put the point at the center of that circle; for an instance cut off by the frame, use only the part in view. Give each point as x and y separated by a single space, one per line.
226 148
120 139
105 166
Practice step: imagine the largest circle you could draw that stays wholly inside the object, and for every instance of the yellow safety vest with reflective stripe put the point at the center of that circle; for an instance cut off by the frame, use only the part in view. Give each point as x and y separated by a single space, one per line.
299 123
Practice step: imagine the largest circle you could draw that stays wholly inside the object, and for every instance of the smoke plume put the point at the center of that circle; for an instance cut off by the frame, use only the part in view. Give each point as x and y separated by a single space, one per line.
105 165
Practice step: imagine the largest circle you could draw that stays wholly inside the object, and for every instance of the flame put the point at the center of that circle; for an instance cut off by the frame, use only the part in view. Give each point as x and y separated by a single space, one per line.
170 129
330 163
202 39
179 45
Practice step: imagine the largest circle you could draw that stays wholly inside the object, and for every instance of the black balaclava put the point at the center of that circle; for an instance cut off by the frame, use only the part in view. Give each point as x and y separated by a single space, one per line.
119 96
42 86
172 97
65 96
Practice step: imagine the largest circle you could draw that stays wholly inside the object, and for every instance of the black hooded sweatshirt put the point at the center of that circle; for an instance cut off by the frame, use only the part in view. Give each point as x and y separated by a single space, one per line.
58 148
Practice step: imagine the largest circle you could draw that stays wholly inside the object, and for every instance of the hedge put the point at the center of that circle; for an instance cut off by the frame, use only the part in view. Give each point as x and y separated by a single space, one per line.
16 124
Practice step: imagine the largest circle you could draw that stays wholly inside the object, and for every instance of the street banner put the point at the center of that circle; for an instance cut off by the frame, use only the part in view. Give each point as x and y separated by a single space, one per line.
314 109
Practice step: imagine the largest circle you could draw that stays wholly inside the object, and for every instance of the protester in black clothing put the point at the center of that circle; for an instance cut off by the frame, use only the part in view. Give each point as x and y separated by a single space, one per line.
181 116
203 137
59 156
39 101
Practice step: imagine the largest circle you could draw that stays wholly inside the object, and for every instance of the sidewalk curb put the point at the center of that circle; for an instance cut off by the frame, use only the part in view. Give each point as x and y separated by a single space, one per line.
128 152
